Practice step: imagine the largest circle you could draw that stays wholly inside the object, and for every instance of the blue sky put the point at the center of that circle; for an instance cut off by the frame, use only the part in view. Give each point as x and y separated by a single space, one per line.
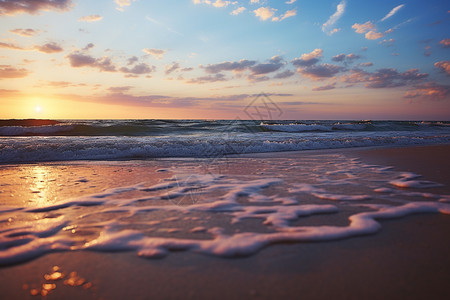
209 59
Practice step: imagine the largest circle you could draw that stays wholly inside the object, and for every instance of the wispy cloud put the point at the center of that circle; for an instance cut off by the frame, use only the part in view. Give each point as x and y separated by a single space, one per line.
90 18
287 14
156 53
429 91
235 66
363 28
154 21
122 4
25 32
7 71
327 27
46 48
171 68
13 7
217 3
207 79
392 12
238 11
324 87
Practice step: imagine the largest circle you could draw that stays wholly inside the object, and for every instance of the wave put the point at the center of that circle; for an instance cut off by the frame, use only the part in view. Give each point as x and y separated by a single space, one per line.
199 127
35 149
313 127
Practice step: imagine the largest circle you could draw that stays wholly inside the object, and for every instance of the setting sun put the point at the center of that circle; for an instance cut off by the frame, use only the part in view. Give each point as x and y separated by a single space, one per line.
38 109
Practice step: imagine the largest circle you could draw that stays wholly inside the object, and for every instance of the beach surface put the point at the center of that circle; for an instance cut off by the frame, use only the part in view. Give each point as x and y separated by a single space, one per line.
406 257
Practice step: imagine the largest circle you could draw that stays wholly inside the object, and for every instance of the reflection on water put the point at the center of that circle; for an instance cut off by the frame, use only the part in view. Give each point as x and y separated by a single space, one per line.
41 187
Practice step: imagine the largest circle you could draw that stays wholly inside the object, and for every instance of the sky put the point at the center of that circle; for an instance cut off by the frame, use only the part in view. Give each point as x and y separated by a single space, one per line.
211 59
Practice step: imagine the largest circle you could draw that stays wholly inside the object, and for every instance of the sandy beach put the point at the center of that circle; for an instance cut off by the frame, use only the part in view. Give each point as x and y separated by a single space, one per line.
406 259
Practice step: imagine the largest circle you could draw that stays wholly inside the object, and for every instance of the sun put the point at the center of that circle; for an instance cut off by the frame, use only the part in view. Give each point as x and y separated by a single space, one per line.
38 109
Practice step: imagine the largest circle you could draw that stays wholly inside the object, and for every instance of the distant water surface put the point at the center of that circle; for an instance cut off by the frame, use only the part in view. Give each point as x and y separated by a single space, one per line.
65 140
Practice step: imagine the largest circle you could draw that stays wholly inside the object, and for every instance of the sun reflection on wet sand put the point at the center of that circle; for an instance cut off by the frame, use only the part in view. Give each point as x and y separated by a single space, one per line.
54 279
41 187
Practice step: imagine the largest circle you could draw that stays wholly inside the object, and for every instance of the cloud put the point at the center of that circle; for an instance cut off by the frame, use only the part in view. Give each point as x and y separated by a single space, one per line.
171 68
384 78
429 91
207 79
221 3
287 14
264 13
444 66
387 43
308 59
324 87
217 3
392 12
284 74
119 89
339 58
373 35
345 58
156 53
445 43
78 60
327 27
46 48
369 29
353 56
274 64
363 28
90 18
7 71
238 11
10 46
290 1
236 66
13 7
122 4
132 60
257 78
138 69
366 64
320 71
25 32
49 48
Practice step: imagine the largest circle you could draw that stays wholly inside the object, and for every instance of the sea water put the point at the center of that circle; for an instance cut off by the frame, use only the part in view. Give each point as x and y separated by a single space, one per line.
224 207
67 140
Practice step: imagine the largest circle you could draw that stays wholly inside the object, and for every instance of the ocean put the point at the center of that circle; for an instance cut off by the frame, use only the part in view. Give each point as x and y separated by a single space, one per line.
67 140
154 187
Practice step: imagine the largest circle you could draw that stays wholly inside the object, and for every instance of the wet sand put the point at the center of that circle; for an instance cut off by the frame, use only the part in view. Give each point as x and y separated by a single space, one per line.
407 259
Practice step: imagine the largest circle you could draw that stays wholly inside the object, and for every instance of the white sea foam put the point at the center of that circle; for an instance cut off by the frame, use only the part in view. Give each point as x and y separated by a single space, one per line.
226 215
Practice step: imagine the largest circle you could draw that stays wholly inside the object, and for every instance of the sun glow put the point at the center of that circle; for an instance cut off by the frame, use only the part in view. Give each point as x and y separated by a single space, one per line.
38 109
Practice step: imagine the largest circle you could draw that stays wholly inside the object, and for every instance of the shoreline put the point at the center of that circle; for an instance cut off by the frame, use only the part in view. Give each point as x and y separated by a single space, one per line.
408 258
